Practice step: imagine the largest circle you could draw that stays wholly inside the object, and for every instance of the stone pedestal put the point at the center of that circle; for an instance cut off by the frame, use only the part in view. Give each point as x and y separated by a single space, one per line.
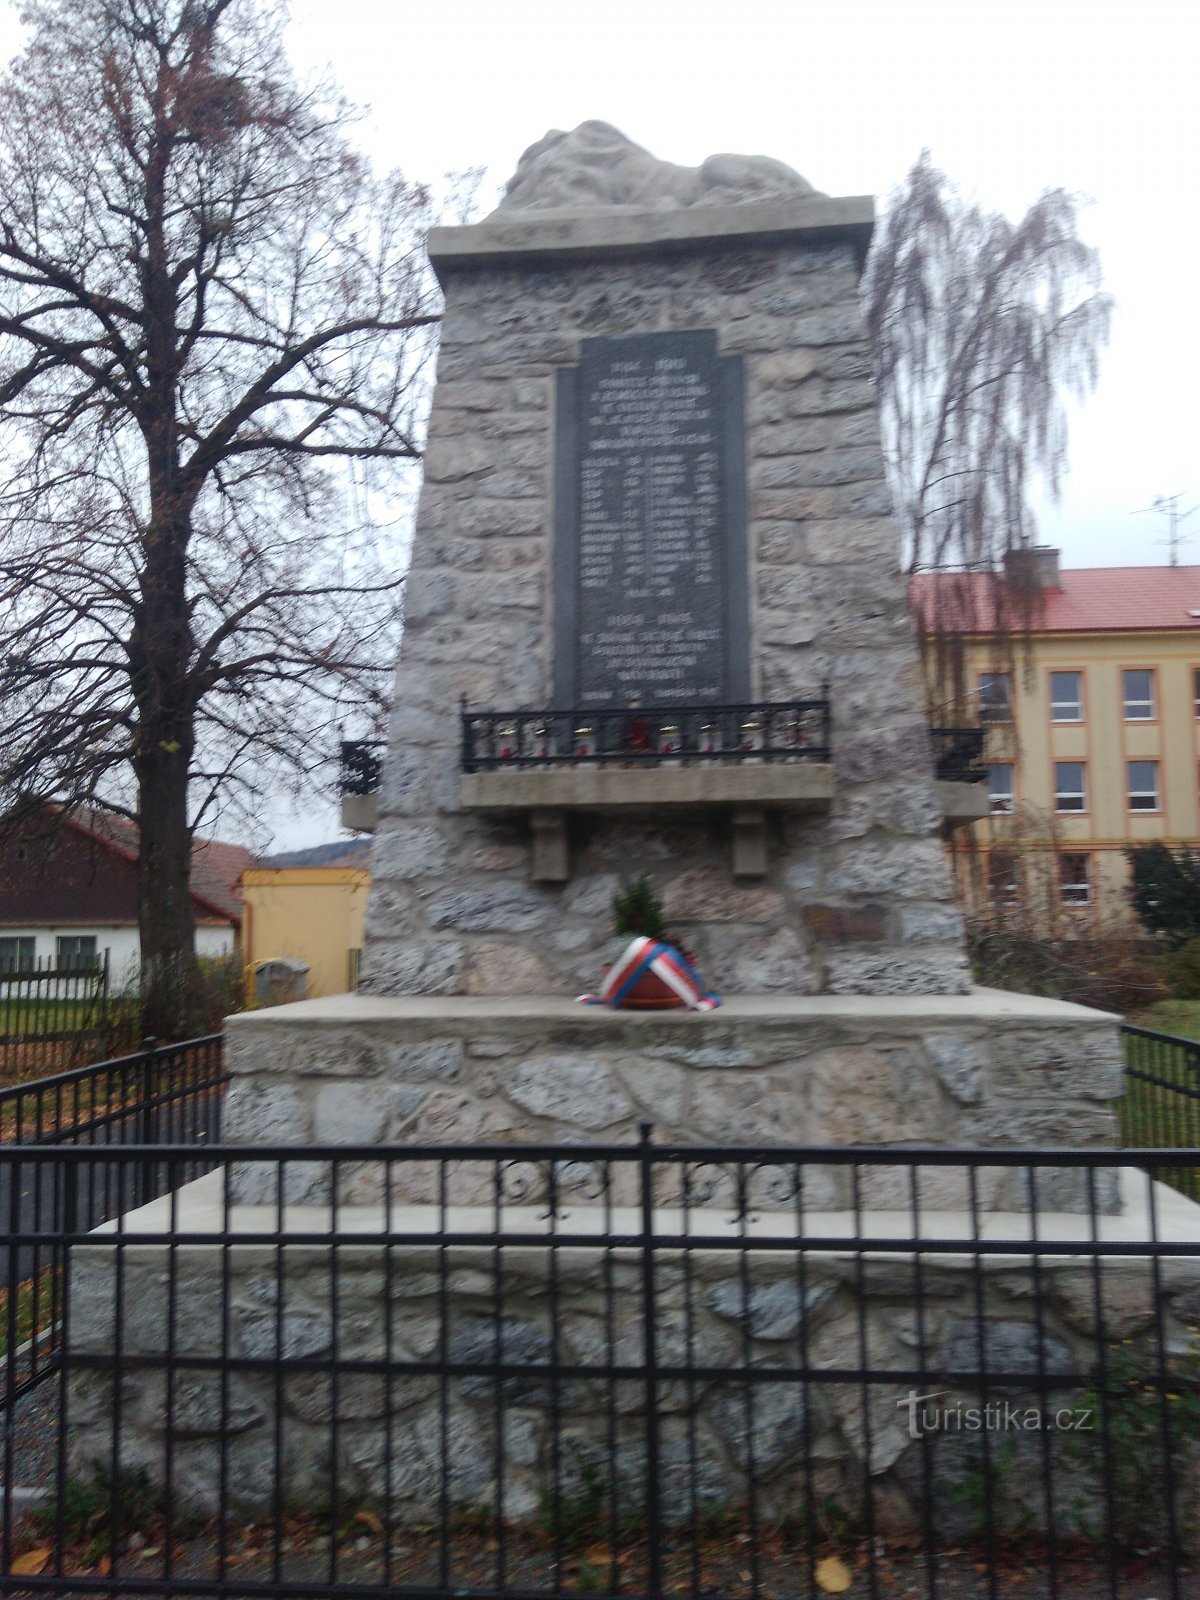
986 1068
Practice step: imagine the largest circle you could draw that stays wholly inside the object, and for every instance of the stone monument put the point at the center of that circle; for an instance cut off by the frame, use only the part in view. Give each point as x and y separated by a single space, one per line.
655 536
654 557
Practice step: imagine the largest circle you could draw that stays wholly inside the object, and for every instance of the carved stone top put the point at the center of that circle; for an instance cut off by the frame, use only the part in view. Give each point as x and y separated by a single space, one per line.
596 168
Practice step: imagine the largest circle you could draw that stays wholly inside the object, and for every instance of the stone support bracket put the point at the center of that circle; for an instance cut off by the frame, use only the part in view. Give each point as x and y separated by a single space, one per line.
749 841
551 854
745 791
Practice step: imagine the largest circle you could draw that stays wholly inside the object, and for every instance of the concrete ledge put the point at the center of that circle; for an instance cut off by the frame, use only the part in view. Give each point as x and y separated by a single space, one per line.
199 1207
962 803
554 235
980 1005
360 812
797 786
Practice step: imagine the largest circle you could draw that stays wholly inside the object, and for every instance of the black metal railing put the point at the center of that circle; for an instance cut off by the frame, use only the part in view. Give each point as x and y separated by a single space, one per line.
1161 1104
163 1095
535 1370
958 754
792 730
361 766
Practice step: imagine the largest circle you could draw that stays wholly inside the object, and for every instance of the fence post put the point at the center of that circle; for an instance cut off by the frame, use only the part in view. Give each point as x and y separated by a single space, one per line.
650 1346
147 1121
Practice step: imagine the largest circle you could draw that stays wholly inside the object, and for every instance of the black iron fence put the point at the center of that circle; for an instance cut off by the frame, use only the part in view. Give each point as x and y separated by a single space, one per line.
793 730
1161 1104
526 1371
958 755
168 1094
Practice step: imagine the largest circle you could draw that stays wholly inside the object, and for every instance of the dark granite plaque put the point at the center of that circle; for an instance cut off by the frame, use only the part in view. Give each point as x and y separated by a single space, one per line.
650 550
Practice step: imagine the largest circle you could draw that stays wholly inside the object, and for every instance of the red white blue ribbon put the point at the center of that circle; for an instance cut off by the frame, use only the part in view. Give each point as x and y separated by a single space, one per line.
644 955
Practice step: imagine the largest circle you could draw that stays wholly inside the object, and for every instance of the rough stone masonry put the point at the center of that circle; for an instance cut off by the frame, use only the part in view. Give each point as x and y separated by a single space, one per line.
597 240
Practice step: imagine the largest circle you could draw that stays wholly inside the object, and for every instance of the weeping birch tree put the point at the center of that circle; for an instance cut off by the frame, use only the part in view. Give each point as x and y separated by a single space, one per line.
209 306
983 330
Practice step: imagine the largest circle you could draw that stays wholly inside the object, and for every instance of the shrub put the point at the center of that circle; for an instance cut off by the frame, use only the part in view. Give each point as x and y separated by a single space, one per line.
638 909
1182 971
1165 890
1107 966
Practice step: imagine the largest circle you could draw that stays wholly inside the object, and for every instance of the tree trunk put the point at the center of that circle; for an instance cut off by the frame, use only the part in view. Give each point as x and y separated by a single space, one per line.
170 976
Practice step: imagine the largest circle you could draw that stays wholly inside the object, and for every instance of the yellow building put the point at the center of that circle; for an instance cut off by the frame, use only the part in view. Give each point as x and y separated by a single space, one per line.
1093 732
310 914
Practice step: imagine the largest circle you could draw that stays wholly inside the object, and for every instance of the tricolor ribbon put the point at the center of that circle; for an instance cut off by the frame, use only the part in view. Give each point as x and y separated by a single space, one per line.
644 955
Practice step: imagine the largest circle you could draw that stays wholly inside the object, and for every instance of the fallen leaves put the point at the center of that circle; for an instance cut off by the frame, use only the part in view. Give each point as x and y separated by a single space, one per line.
833 1575
33 1561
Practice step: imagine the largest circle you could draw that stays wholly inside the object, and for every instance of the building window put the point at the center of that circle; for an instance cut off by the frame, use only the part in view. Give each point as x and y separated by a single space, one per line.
1196 690
1000 789
1138 693
1143 785
1003 885
76 952
1075 879
17 954
995 696
1066 697
1070 793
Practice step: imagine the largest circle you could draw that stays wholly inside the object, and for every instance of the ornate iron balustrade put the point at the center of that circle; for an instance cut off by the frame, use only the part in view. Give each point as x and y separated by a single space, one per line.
791 730
361 766
958 754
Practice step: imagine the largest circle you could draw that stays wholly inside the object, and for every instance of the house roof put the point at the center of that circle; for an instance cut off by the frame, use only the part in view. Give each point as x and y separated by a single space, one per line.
217 866
1088 600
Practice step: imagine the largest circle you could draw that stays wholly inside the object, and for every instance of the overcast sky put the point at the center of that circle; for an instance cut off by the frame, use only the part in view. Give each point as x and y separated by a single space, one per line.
1098 97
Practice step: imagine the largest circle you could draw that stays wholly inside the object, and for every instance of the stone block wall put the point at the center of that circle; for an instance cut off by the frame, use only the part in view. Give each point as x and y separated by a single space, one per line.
395 1437
858 901
999 1071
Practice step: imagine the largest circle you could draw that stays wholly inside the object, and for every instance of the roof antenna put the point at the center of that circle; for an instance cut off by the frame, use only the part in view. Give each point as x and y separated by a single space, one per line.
1167 505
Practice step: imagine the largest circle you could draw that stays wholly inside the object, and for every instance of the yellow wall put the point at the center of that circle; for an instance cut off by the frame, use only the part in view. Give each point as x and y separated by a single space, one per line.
313 914
1104 740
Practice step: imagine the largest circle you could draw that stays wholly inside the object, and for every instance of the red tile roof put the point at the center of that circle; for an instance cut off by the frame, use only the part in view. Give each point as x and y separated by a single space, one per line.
1090 600
217 866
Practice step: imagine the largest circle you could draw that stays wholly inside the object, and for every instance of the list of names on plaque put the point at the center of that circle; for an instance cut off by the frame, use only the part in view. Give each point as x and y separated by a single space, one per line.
651 529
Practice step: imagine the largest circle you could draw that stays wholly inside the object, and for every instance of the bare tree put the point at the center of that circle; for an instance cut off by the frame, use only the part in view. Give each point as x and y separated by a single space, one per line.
209 306
982 328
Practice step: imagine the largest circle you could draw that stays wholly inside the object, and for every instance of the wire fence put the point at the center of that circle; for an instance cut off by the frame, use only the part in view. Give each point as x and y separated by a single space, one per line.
638 1370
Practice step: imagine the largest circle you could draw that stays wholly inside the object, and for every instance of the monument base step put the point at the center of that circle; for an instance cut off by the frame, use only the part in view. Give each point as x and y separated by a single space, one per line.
988 1068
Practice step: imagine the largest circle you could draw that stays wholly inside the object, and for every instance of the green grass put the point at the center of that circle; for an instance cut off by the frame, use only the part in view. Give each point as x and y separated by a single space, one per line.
1163 1114
1181 1017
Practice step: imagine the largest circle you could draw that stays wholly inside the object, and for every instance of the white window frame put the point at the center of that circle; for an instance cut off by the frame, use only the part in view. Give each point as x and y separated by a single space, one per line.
1075 894
1061 794
20 939
985 705
1077 714
74 964
1132 794
1001 802
1150 702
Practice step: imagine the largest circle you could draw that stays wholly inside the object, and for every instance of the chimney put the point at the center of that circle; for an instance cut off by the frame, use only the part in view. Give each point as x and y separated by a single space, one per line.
1033 566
